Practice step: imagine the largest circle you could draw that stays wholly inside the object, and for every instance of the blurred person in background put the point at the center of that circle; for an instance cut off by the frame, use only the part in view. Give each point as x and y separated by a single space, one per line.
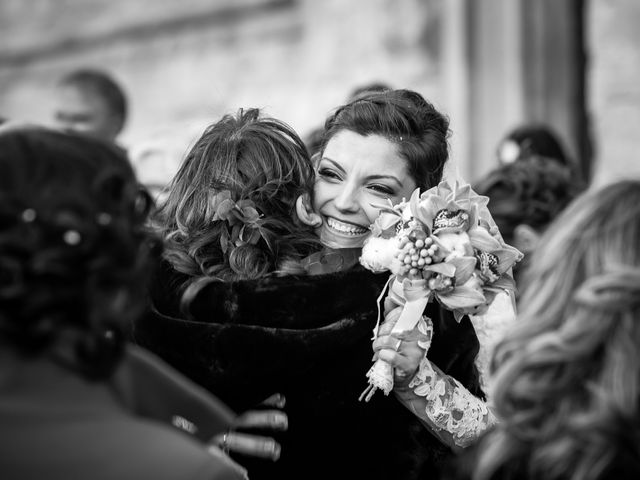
90 102
313 140
75 256
566 377
532 139
367 88
525 197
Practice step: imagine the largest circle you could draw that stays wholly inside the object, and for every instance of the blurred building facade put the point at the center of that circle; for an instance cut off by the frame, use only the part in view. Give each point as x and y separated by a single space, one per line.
489 64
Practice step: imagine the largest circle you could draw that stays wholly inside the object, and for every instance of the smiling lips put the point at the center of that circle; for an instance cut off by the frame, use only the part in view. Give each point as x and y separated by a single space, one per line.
345 228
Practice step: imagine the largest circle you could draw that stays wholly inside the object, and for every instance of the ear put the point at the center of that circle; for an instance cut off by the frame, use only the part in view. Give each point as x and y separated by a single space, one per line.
315 159
305 212
525 238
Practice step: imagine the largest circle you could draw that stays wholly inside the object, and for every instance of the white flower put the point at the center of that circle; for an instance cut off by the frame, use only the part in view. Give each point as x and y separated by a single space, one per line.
459 244
380 254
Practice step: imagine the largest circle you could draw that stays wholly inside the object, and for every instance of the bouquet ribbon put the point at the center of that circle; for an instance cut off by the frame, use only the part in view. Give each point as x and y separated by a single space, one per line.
413 296
414 299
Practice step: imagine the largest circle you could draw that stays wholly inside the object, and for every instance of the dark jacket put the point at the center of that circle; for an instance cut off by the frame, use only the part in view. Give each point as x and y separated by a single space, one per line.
55 424
308 338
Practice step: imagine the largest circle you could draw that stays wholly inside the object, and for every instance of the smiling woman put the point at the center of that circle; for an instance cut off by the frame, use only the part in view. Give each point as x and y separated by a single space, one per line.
376 150
355 174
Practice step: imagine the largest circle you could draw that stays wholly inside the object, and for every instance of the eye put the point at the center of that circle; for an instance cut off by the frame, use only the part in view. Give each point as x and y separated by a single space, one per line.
383 189
328 173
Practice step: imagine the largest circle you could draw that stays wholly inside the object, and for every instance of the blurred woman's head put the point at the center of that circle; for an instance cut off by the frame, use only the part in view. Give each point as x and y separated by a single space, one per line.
567 377
74 254
244 171
379 147
525 197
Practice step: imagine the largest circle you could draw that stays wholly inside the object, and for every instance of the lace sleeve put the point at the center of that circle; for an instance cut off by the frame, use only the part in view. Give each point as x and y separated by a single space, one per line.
444 405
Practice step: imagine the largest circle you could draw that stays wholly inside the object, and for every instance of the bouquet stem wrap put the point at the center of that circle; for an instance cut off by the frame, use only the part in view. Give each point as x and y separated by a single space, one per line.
413 296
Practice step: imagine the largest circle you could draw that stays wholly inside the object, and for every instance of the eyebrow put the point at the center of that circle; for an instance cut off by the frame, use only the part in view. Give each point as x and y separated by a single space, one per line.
369 177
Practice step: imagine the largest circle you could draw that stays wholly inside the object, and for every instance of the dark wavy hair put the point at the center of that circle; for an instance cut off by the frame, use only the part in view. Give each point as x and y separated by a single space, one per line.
405 118
535 139
257 159
566 377
531 191
74 252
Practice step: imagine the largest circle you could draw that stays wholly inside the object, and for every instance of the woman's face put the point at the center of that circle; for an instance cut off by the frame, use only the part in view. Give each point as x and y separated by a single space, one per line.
354 175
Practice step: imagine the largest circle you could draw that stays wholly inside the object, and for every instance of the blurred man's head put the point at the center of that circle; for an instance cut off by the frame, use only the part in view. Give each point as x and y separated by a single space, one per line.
92 103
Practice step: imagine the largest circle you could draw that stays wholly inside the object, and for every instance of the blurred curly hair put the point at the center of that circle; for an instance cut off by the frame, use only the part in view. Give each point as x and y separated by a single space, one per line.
566 384
75 255
531 191
258 160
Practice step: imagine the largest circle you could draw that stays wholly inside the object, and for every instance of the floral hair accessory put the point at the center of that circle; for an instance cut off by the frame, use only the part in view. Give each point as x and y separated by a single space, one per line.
70 236
441 245
243 219
28 215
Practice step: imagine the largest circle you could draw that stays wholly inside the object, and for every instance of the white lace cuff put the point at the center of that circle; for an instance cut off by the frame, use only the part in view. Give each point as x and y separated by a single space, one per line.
445 406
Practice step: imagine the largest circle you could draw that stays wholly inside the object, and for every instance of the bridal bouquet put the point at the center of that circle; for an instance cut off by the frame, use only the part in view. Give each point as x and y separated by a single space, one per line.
441 245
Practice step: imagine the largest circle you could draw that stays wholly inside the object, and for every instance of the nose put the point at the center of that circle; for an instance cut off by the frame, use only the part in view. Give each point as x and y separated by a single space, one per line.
347 199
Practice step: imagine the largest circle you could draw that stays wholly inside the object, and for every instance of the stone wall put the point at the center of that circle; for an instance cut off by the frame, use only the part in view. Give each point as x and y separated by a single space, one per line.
186 63
614 87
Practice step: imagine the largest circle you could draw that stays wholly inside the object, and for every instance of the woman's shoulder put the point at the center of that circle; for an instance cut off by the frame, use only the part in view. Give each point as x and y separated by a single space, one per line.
289 301
166 288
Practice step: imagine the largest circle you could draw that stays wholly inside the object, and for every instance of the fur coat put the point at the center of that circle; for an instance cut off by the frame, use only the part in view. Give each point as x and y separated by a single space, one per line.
308 338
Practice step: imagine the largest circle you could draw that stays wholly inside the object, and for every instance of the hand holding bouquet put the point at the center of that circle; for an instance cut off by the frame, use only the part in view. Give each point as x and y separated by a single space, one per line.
441 245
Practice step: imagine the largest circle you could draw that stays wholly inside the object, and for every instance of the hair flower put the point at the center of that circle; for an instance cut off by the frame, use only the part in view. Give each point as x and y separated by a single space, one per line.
243 219
441 245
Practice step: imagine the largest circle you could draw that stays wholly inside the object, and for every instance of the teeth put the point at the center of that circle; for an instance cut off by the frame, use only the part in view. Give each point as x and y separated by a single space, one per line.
345 227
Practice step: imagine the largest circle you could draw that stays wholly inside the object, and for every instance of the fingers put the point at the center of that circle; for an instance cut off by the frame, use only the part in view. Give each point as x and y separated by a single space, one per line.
271 419
404 351
387 341
390 320
422 333
253 445
395 341
414 335
276 400
405 367
256 445
396 359
247 444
